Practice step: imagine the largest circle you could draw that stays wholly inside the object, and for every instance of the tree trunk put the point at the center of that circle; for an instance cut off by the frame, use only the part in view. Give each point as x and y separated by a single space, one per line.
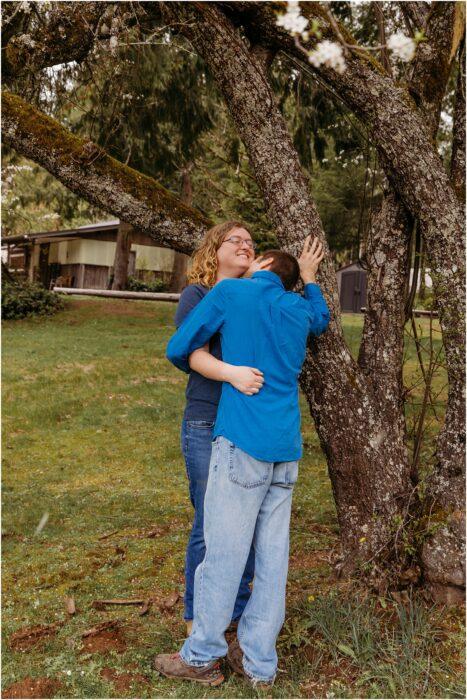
180 265
415 171
122 255
362 438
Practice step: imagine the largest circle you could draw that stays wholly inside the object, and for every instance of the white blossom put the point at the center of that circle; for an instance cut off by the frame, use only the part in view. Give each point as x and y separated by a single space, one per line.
330 54
402 46
292 20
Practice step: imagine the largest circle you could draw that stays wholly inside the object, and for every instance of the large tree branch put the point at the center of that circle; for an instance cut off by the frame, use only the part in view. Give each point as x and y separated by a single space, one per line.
103 181
381 347
385 107
67 33
433 61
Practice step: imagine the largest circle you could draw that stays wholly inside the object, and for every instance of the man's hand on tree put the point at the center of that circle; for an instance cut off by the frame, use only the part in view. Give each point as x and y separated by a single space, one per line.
309 260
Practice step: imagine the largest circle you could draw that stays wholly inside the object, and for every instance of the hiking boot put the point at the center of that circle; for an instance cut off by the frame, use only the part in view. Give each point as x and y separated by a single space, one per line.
173 666
235 661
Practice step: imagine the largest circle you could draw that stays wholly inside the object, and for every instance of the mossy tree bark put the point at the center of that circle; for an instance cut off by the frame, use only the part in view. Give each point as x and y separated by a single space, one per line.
90 173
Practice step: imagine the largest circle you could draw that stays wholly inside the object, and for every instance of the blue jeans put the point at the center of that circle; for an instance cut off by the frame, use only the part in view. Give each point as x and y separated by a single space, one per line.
196 445
247 501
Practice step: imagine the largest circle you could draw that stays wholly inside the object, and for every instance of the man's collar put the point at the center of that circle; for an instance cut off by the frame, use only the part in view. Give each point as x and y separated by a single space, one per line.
269 276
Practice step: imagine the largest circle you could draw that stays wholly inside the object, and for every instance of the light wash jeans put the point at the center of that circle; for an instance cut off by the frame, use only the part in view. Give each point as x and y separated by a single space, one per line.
247 500
196 442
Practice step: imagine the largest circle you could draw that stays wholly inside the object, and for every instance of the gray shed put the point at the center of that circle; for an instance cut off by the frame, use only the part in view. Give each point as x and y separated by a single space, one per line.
351 281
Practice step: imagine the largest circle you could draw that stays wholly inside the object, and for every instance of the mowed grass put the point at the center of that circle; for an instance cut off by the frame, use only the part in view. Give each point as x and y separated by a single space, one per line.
91 418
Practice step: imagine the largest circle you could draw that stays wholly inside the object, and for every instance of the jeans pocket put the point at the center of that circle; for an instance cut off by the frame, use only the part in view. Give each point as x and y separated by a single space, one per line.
285 474
245 470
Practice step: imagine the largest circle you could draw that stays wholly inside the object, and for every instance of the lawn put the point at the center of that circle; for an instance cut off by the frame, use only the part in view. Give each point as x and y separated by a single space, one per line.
91 416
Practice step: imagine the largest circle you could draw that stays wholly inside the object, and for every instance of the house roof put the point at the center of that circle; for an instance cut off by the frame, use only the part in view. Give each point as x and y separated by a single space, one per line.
63 234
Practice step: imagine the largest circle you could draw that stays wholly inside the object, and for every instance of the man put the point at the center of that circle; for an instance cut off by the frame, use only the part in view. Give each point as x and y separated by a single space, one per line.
254 462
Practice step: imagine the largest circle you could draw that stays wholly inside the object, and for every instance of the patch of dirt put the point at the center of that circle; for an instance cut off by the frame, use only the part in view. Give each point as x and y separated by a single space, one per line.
309 560
30 636
328 668
123 682
104 638
13 536
33 688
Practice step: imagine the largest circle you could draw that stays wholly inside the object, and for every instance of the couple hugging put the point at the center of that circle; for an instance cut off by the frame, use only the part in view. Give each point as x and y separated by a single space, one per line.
243 342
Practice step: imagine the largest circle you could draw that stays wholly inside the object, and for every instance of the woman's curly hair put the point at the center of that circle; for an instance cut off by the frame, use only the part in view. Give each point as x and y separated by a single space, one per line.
204 268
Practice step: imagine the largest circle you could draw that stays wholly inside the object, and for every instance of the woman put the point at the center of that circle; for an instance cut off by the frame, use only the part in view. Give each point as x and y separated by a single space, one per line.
226 251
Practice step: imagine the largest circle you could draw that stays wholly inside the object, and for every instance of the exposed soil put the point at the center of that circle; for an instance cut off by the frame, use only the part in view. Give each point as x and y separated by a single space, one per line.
30 636
104 641
33 688
309 560
123 682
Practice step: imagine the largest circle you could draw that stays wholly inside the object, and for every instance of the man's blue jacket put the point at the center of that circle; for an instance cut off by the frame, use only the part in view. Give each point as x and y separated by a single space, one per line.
263 326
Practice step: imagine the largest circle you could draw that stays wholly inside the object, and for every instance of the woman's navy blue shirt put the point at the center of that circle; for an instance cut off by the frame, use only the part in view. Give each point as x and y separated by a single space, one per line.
202 395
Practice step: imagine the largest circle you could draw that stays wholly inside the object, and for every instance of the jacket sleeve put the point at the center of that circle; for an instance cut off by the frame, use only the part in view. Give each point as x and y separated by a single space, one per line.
317 307
200 324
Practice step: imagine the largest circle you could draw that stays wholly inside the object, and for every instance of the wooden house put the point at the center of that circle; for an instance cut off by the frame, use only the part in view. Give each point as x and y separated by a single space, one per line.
84 257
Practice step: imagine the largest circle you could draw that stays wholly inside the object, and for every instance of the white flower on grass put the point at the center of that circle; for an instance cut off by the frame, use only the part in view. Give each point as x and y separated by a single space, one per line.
330 54
292 20
402 46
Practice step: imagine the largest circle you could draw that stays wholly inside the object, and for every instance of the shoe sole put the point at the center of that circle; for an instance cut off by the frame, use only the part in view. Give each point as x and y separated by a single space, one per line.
202 681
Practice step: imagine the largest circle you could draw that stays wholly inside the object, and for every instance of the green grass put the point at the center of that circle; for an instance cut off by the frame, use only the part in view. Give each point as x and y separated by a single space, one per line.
91 416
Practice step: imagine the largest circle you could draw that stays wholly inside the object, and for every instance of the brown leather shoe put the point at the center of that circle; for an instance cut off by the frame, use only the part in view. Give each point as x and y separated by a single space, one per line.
235 661
173 666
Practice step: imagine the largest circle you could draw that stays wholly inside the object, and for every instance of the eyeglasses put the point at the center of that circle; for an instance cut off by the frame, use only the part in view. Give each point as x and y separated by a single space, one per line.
236 240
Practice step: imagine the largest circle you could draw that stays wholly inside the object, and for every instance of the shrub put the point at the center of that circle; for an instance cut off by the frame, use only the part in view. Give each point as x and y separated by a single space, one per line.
136 285
22 299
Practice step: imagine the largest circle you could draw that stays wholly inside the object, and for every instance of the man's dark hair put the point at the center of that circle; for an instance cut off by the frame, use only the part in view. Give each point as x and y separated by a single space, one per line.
285 265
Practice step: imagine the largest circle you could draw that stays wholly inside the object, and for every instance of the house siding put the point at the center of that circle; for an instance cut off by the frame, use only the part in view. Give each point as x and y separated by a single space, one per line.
102 253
